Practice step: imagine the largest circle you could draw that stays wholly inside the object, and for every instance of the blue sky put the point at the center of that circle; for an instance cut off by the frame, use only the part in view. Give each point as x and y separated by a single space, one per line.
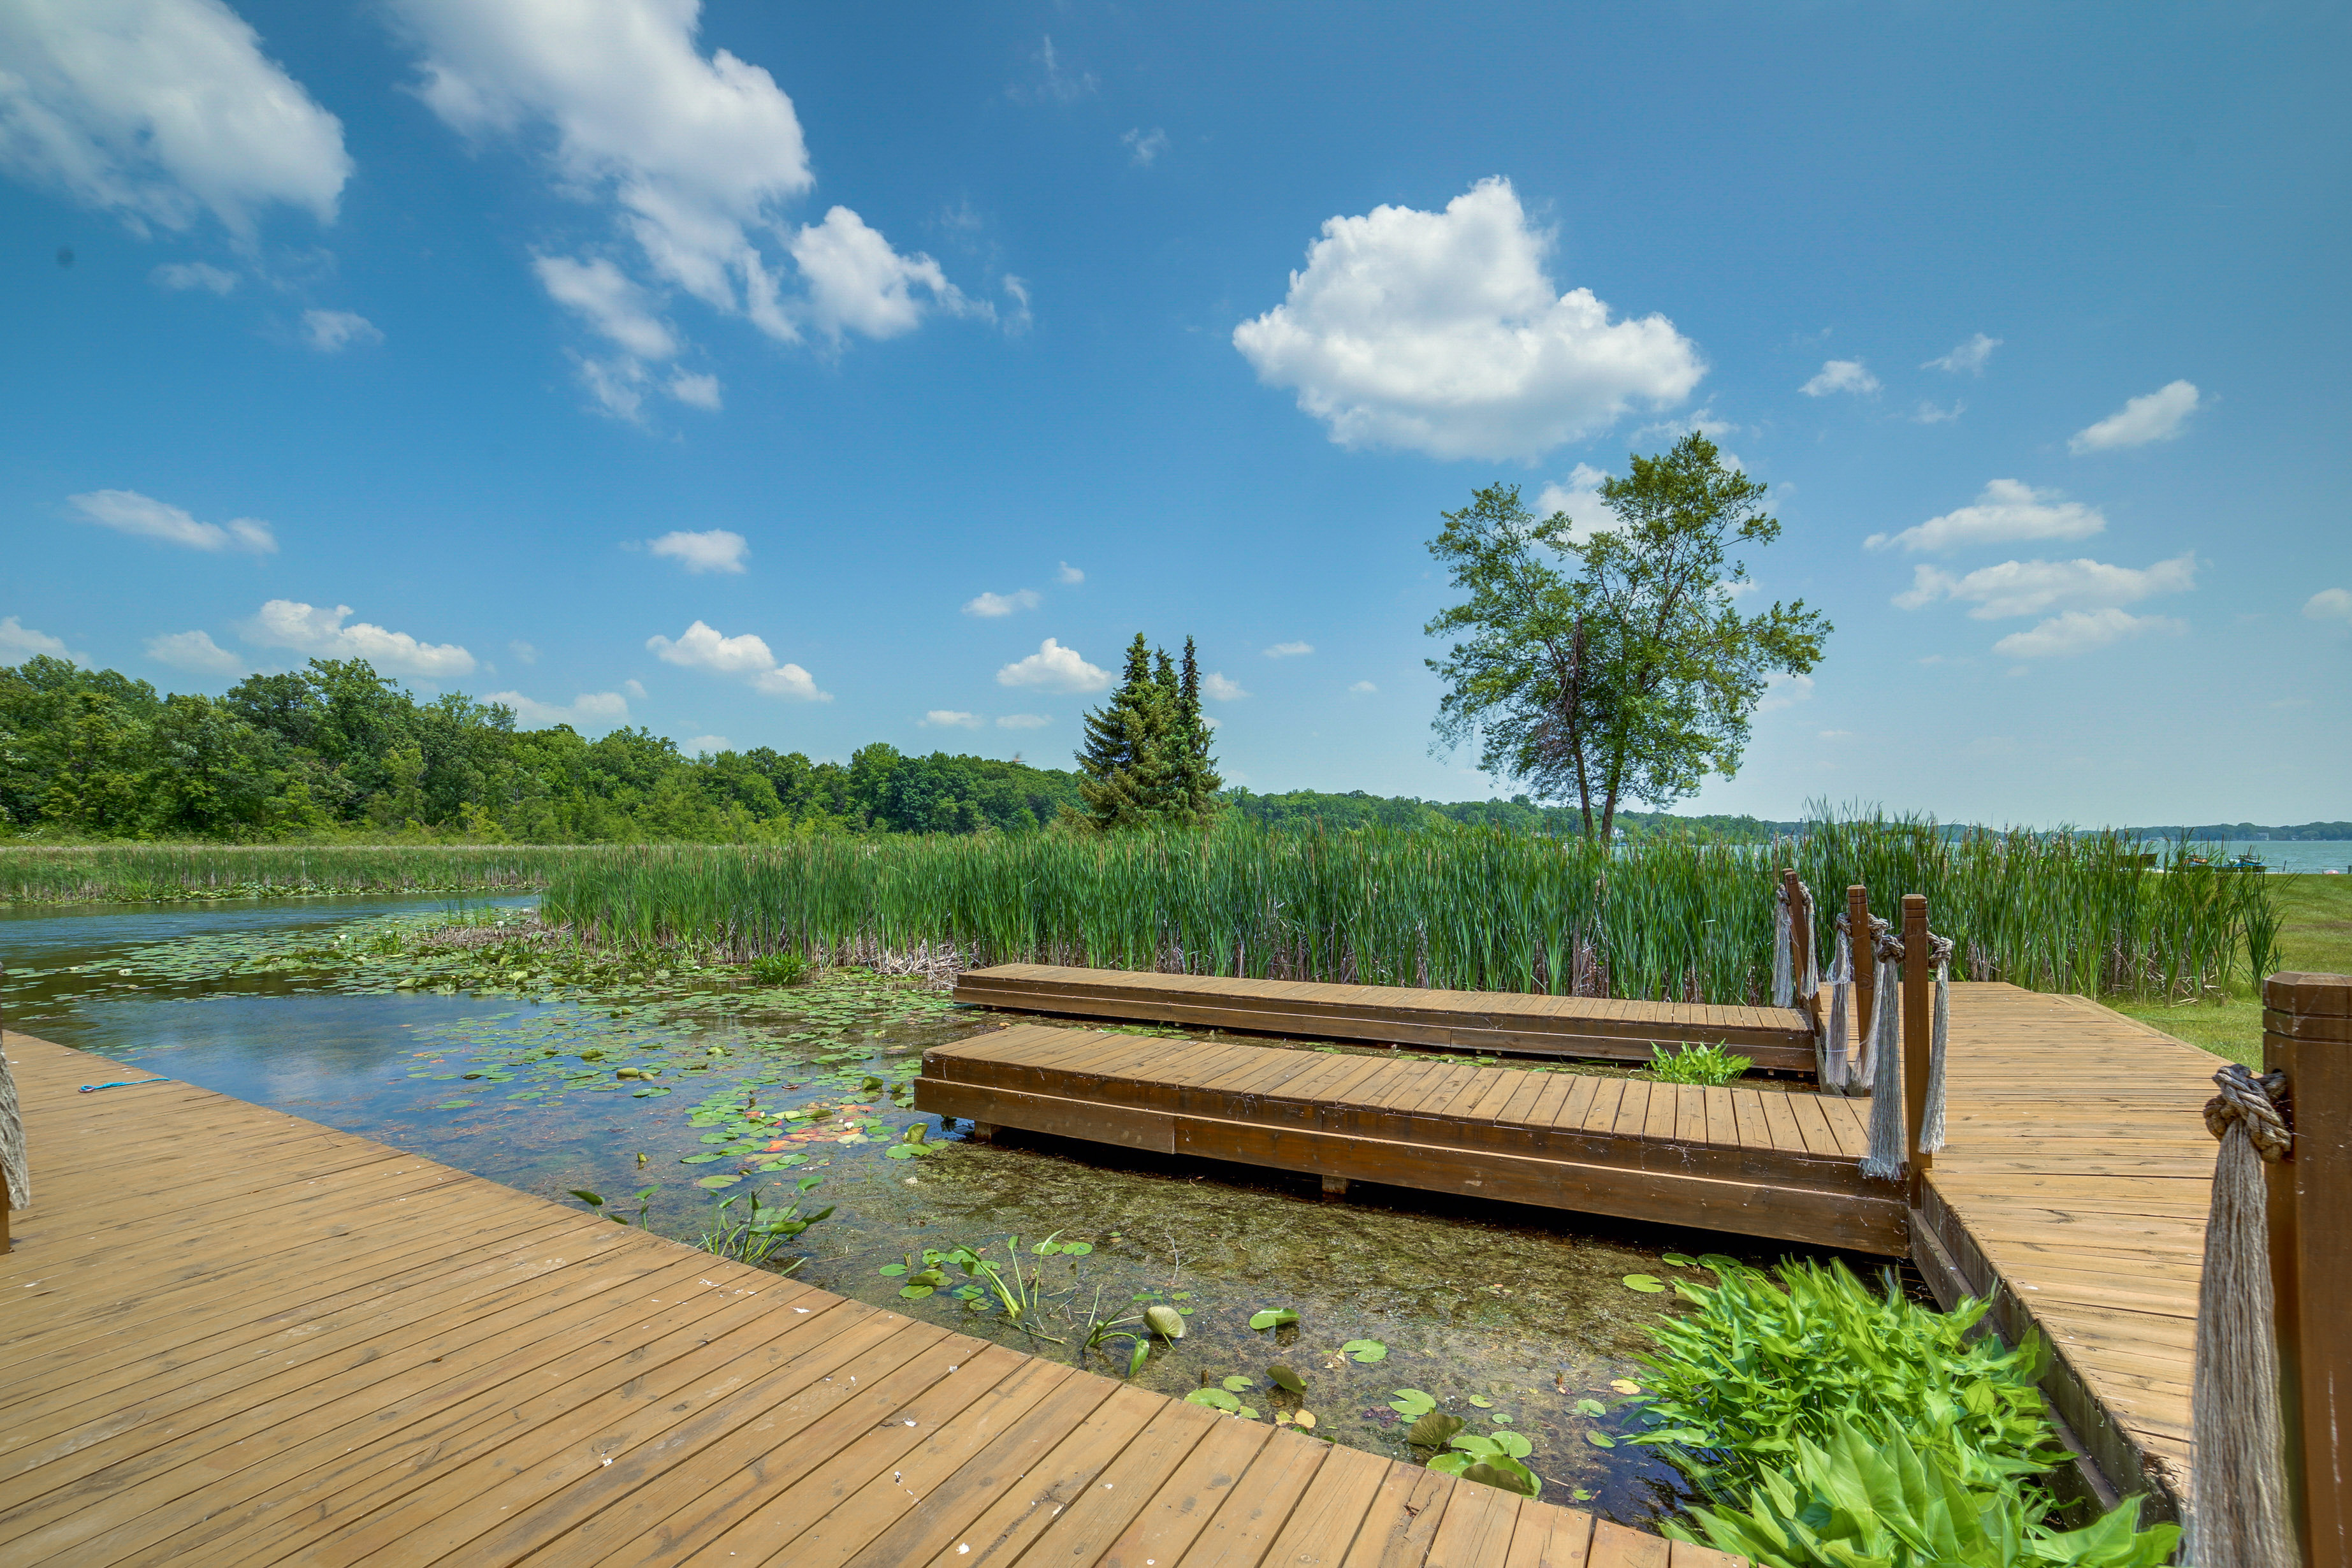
807 375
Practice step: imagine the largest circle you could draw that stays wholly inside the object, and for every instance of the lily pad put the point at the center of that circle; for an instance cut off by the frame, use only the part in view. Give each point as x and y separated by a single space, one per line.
1482 1402
1600 1439
1214 1398
1678 1260
1591 1407
1647 1284
1238 1384
715 1183
1624 1385
1285 1378
1273 1318
701 1159
1412 1402
1365 1351
1433 1430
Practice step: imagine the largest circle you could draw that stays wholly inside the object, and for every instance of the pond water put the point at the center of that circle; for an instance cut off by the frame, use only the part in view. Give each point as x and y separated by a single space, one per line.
509 1062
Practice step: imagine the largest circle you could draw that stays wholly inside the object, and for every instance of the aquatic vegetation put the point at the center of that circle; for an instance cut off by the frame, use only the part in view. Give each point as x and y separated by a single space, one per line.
596 1204
779 969
1699 1063
1491 1460
1466 908
1864 1495
150 872
754 1235
1827 1424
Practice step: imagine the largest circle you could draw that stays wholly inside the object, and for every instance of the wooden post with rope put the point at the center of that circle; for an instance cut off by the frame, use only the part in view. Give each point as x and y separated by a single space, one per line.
2307 1036
1918 1024
1866 966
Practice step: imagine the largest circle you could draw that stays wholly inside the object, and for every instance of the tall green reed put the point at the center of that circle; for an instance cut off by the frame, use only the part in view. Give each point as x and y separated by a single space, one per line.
142 872
1459 908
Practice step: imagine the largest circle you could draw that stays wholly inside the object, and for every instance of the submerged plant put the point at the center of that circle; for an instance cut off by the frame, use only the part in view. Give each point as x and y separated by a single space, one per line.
1709 1065
753 1235
596 1204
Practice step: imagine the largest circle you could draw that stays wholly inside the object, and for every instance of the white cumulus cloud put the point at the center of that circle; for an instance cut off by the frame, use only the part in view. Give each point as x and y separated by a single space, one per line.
1069 575
1841 375
1931 413
1217 689
711 550
696 156
1967 358
705 746
2158 416
19 642
702 648
1364 688
2081 631
2006 510
1054 667
2031 587
2330 604
589 712
1580 499
990 606
128 511
159 111
1785 691
1442 332
195 652
317 632
331 330
1290 650
698 391
181 276
1024 721
951 719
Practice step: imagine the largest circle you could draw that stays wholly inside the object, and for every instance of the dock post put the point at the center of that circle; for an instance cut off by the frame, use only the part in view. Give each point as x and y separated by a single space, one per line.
1918 1024
1866 962
1801 942
2308 1035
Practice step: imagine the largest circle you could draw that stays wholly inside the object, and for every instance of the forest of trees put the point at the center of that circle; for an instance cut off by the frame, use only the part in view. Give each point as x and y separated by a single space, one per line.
336 750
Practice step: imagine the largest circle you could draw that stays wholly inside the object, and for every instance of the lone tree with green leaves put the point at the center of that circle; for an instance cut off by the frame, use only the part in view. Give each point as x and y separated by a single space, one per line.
1146 758
1598 665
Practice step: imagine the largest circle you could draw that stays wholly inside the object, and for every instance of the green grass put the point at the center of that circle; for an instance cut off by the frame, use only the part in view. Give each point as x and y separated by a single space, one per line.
2315 933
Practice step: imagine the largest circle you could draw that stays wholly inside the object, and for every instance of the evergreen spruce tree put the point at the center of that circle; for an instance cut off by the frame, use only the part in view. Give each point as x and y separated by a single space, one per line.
1124 762
1195 768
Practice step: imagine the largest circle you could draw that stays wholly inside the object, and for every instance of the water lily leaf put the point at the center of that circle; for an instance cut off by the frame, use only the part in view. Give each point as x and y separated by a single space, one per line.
1624 1385
1591 1407
1165 1321
654 1093
1505 1474
701 1159
1285 1378
1237 1384
1648 1284
1482 1402
1412 1402
1433 1430
900 1152
1074 1248
1366 1352
1248 1413
1272 1318
1214 1398
892 1270
1304 1419
1678 1260
1600 1439
1499 1419
916 1292
715 1183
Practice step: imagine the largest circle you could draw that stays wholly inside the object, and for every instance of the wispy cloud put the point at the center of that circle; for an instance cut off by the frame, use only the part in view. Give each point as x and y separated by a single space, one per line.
589 712
2082 631
1841 375
331 331
2158 416
1968 358
711 550
2006 510
1069 575
989 607
1217 689
181 276
1144 147
143 517
1056 81
1290 650
2330 604
951 719
1022 721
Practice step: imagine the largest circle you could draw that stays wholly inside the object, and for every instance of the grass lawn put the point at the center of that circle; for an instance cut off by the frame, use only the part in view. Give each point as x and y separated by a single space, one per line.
2317 936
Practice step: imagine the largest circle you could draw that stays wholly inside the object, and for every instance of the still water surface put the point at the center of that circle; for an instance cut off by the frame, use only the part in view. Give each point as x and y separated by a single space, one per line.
1506 1317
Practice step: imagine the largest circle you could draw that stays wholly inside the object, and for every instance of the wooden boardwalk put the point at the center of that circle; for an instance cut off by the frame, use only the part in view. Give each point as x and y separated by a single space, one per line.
1759 1161
2072 1190
231 1336
1485 1021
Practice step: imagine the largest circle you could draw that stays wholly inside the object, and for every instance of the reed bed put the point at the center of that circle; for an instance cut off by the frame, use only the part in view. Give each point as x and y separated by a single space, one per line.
1467 909
161 872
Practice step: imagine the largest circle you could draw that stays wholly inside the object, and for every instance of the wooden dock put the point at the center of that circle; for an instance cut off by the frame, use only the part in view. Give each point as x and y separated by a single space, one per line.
231 1336
2072 1190
1779 1038
1759 1161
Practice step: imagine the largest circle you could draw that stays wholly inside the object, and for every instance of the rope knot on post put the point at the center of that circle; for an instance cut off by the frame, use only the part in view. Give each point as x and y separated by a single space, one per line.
2258 1103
